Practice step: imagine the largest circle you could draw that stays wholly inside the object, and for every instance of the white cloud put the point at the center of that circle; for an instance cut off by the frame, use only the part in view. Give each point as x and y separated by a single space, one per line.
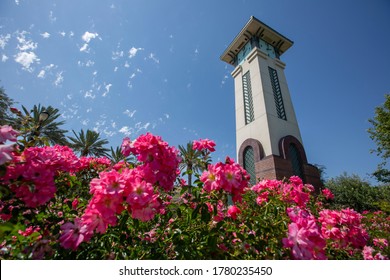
129 113
132 76
4 58
84 48
23 43
17 2
41 74
88 94
26 59
45 35
107 87
59 79
139 126
85 122
4 40
62 33
152 56
167 116
127 65
116 55
88 36
126 130
51 17
133 51
115 69
71 34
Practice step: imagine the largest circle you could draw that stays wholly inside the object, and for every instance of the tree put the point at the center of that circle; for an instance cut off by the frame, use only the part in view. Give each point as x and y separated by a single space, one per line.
38 132
191 161
5 104
353 192
89 144
380 134
117 156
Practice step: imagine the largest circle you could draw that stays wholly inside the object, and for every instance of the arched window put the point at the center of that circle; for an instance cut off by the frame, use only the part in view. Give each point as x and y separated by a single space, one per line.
249 163
296 160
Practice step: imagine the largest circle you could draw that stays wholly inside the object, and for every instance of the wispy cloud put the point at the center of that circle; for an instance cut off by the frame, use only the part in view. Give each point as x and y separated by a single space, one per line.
45 35
26 59
127 131
23 43
52 18
41 74
59 79
88 94
4 58
107 87
133 51
117 54
87 37
4 40
153 57
129 113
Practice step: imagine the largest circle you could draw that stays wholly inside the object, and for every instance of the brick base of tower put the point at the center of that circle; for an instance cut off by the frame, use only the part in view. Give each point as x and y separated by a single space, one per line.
276 167
281 167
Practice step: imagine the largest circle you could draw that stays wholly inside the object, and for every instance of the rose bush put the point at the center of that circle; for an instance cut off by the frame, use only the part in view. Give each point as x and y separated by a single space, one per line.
54 205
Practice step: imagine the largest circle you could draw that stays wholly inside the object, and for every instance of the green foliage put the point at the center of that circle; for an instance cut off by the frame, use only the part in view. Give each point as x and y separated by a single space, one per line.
5 104
191 161
89 144
36 132
353 192
380 134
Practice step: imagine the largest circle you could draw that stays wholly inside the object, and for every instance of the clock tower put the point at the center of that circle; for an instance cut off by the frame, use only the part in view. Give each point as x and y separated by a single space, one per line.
268 141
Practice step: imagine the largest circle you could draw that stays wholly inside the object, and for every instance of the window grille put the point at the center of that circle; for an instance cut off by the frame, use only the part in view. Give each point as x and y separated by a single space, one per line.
296 161
248 102
249 164
277 94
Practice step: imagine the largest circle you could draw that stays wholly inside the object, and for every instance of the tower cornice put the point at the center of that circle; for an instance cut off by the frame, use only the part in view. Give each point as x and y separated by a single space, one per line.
258 29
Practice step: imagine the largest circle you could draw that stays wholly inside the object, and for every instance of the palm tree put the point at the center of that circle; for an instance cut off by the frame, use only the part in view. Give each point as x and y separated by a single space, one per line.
117 156
5 104
191 161
89 144
38 131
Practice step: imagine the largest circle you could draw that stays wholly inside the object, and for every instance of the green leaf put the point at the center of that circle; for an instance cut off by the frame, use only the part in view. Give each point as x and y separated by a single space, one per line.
195 212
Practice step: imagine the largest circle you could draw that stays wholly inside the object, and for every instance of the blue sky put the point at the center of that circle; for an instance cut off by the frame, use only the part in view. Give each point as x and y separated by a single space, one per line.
124 68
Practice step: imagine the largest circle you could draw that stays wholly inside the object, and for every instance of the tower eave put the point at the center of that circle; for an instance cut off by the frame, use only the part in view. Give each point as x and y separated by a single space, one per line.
255 27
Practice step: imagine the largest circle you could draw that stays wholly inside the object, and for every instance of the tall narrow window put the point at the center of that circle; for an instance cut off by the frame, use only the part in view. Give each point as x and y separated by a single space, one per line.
248 102
249 164
296 160
277 94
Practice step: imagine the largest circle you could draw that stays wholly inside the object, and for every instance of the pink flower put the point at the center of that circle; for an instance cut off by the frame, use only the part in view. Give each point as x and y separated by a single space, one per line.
228 176
343 228
73 234
8 133
233 211
95 221
110 182
304 237
75 203
381 243
140 194
6 153
328 194
147 212
126 146
30 230
204 145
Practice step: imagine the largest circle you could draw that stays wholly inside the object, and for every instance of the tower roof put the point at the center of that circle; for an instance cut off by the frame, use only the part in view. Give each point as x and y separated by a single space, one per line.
255 27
